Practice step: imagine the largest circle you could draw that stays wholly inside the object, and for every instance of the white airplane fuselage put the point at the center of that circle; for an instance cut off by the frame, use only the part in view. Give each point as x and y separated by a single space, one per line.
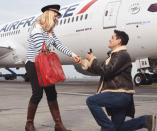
86 25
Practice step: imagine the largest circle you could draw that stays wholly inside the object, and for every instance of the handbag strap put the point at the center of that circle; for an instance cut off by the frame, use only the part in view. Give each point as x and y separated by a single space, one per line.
44 48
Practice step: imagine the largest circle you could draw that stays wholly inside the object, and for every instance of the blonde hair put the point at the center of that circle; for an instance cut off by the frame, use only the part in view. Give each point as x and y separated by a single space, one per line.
47 20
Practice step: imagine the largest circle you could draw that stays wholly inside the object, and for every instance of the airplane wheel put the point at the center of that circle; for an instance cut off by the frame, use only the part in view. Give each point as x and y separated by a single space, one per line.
139 79
7 77
10 77
149 79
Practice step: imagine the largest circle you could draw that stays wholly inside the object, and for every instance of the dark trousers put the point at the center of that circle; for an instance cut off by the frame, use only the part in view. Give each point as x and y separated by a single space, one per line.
37 91
118 103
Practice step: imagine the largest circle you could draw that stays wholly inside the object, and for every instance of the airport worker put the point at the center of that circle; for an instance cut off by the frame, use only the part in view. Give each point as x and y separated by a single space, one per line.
115 91
42 31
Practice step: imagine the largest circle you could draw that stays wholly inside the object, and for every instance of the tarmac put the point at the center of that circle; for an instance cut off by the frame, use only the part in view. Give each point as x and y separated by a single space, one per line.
15 95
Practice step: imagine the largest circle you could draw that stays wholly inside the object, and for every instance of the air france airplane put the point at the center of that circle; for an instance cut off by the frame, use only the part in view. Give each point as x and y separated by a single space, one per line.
90 24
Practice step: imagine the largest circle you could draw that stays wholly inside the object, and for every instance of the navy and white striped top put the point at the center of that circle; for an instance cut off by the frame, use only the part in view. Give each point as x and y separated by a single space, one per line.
37 37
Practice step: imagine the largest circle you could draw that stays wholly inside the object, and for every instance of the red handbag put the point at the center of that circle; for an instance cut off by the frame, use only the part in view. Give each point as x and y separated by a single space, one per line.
48 67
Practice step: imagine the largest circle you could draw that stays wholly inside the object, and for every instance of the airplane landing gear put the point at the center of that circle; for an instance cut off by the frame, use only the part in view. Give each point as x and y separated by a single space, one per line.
142 79
13 75
147 72
10 77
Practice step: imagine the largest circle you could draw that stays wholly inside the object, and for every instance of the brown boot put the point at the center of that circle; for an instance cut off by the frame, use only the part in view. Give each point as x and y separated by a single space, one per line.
30 117
54 109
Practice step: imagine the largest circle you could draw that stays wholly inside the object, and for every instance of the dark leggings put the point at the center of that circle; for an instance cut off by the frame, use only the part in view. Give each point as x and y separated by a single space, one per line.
37 91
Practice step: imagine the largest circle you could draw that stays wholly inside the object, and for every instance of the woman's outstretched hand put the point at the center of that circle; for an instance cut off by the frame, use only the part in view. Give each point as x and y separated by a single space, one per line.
76 58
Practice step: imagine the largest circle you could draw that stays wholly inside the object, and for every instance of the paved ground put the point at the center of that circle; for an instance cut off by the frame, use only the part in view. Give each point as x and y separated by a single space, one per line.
14 97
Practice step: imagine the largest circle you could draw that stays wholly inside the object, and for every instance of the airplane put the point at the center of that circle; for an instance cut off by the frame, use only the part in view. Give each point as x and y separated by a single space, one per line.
89 25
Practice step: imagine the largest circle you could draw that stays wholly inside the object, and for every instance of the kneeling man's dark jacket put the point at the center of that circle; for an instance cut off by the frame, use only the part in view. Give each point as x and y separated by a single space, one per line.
115 75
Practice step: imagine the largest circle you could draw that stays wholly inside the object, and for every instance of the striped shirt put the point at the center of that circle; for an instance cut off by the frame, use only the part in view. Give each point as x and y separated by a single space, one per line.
37 37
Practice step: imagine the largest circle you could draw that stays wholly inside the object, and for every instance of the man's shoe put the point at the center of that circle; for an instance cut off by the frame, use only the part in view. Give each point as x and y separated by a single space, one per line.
112 129
151 122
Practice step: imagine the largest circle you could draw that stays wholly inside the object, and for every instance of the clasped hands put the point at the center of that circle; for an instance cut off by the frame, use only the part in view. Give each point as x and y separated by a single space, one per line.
85 63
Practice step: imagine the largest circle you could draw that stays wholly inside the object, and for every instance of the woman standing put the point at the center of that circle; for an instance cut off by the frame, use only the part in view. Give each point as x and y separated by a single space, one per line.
42 31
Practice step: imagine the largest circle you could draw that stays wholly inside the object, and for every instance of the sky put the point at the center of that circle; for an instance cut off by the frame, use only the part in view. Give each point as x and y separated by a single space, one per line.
11 10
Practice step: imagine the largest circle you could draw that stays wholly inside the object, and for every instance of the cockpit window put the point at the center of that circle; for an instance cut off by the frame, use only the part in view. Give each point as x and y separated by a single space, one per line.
153 8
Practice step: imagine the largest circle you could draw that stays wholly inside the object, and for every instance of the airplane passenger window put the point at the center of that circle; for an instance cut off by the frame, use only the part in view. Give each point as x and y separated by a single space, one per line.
77 18
72 19
81 17
106 13
64 21
86 16
60 22
68 20
153 8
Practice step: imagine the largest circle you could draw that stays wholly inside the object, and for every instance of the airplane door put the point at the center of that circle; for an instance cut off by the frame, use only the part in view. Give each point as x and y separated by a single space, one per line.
110 14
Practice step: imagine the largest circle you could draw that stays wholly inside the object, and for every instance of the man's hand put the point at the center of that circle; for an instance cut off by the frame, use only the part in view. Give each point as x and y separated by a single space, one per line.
76 58
89 56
